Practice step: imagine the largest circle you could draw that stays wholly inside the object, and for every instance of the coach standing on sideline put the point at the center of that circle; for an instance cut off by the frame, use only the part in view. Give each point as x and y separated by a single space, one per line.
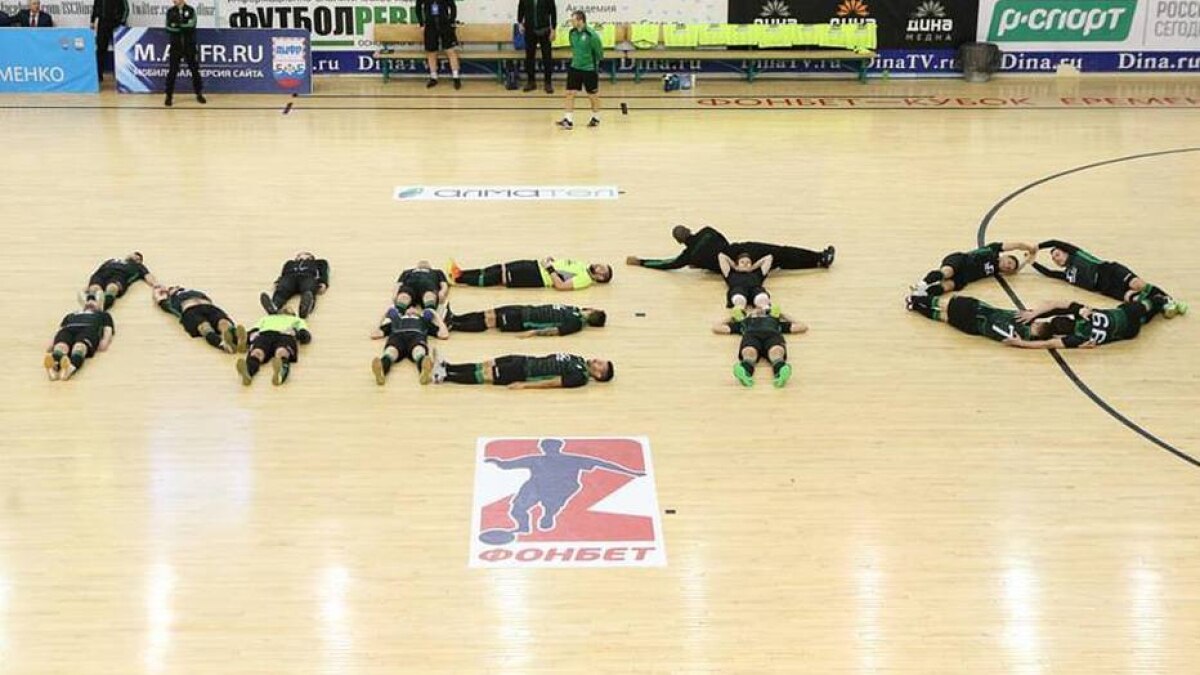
586 52
536 20
181 24
106 16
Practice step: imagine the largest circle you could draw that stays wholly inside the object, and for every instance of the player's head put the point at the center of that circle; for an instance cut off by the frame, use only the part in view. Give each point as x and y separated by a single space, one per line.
1009 264
551 446
600 273
743 262
596 318
578 20
681 233
305 255
423 265
601 370
136 257
1059 257
177 3
171 290
413 310
92 305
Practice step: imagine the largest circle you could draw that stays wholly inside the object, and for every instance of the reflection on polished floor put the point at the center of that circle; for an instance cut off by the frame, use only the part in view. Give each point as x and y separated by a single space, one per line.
915 501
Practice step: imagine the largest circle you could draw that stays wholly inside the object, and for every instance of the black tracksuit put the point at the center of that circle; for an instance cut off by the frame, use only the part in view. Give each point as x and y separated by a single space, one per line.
538 17
181 24
107 15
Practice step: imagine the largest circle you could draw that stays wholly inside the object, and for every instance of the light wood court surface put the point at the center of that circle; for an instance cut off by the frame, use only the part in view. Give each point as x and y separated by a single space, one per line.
915 501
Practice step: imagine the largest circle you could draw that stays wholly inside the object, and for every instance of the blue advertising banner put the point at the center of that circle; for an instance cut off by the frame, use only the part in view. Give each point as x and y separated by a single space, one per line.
233 61
48 60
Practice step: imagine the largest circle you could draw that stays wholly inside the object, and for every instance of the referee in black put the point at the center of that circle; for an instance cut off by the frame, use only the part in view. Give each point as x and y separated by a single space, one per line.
181 24
536 19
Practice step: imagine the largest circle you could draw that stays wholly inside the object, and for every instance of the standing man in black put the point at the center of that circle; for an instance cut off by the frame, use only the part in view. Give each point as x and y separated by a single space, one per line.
181 24
536 20
107 15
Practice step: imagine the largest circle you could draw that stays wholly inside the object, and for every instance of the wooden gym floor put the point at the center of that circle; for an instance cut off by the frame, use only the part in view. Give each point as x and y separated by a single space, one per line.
916 501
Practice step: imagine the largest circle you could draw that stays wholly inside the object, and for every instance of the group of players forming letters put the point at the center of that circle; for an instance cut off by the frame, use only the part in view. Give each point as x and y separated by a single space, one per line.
419 310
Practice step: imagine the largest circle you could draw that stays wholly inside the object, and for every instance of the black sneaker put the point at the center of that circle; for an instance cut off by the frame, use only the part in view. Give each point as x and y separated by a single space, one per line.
827 256
529 87
200 99
267 303
308 302
549 88
169 102
431 83
457 83
594 122
566 124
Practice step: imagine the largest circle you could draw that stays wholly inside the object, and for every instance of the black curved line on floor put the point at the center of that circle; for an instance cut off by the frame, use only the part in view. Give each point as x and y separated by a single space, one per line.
981 237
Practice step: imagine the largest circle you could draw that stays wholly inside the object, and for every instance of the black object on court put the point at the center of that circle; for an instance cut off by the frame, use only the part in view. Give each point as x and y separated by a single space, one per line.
624 108
641 314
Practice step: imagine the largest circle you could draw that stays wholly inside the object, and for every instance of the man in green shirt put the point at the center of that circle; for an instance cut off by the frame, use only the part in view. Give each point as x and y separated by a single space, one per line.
584 73
275 338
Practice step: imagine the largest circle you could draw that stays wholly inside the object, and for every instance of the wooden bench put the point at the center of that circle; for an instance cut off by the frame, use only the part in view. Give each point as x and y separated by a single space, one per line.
406 42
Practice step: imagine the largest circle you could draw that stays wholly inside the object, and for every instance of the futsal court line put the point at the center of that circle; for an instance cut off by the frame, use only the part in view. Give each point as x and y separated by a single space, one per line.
981 237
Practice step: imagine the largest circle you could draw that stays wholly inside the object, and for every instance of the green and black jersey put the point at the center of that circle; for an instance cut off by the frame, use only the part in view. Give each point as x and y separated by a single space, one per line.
571 368
761 326
1104 326
421 281
972 266
89 325
1082 268
565 318
127 271
398 323
173 303
999 324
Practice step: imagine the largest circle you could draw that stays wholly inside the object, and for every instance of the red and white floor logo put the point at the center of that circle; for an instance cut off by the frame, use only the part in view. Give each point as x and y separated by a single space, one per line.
565 502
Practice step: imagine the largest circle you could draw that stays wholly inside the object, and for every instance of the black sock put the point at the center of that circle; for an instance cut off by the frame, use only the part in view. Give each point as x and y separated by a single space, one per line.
935 290
929 307
464 373
58 354
749 366
287 368
213 339
934 277
387 363
473 322
109 299
492 275
777 366
252 365
77 360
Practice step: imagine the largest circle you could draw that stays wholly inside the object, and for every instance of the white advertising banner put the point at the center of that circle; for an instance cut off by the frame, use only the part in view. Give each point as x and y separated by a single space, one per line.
1091 25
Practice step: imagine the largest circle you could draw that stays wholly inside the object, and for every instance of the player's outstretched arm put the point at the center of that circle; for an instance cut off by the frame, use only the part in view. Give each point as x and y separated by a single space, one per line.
1055 343
617 468
764 263
723 328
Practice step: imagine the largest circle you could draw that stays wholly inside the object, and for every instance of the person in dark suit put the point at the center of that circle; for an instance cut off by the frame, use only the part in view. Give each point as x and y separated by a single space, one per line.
107 15
33 17
181 25
536 19
4 19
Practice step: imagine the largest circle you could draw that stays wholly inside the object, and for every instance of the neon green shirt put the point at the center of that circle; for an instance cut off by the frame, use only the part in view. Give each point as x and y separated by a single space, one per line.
574 271
281 323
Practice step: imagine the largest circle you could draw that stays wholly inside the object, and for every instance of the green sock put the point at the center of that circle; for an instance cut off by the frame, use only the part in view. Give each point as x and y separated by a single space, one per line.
387 363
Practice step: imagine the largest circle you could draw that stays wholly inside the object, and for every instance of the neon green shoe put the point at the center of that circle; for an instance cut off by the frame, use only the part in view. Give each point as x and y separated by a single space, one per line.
738 314
743 375
1175 308
785 374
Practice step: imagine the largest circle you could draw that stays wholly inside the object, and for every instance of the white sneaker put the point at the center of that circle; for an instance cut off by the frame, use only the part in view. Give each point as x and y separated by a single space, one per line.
439 370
